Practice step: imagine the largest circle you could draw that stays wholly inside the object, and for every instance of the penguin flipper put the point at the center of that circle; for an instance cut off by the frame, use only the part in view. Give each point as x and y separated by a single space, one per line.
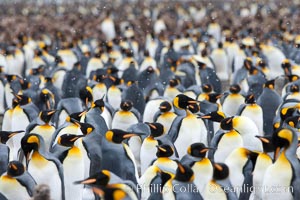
28 182
4 158
214 143
94 151
174 130
241 109
2 197
248 183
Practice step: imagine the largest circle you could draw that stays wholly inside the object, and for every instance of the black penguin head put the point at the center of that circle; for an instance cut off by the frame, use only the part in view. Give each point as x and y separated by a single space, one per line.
48 79
174 82
165 106
292 121
99 103
201 65
197 150
6 135
253 71
270 84
235 89
10 77
150 70
126 105
46 115
117 135
267 143
15 168
216 116
194 108
262 63
164 150
250 99
85 128
286 66
46 96
282 138
213 97
112 70
99 78
227 123
248 63
25 84
182 101
157 129
221 171
184 173
294 88
292 78
68 140
86 95
22 99
207 88
287 112
29 143
99 179
116 80
77 66
75 117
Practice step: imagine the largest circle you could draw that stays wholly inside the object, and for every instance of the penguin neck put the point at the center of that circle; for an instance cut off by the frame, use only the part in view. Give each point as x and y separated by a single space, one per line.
188 113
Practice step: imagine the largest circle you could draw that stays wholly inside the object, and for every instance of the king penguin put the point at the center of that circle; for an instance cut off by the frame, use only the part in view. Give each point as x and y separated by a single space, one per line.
40 164
201 166
165 115
283 174
43 127
269 101
163 161
182 186
232 101
73 166
151 108
253 111
181 133
16 183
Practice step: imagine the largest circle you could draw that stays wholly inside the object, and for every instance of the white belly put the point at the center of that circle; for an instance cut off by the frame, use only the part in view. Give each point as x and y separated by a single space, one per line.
256 115
166 121
203 171
148 154
114 98
151 108
214 191
123 121
12 189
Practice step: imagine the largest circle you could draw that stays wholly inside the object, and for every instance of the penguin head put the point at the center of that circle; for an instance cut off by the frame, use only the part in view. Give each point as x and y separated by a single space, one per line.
216 116
164 150
112 191
282 138
99 78
198 150
182 101
10 77
248 63
250 99
75 117
227 123
292 121
22 99
150 70
292 78
48 79
207 88
221 171
46 96
213 97
270 84
235 89
86 95
253 71
101 178
266 142
15 168
77 66
6 135
184 173
174 82
287 112
194 108
286 66
99 103
117 136
46 115
116 80
29 143
294 88
68 140
201 65
112 70
25 84
85 128
165 106
126 105
156 129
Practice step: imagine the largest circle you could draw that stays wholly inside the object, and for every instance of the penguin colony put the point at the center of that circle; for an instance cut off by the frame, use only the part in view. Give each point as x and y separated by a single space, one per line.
92 119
